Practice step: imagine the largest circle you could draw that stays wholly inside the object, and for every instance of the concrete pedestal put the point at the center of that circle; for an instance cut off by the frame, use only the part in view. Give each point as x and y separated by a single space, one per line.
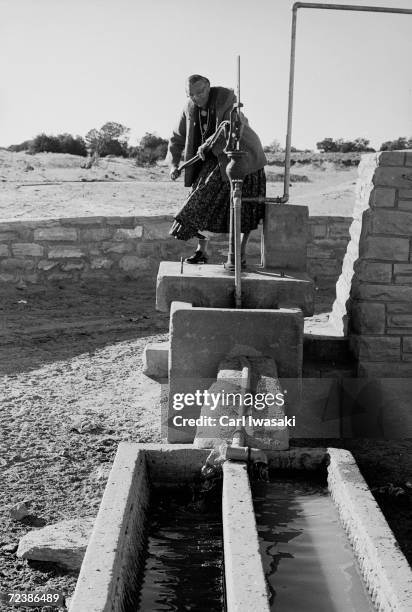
211 286
200 338
285 237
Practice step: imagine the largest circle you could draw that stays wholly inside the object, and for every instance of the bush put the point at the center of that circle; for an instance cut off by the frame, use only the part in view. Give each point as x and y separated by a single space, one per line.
151 148
359 145
43 143
23 146
399 144
111 139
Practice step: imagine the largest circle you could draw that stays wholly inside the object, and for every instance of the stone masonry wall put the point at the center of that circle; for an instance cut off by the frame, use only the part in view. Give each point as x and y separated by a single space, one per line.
380 304
78 249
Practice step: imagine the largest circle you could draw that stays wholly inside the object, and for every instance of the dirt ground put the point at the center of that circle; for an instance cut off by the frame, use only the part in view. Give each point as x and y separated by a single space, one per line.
52 185
67 355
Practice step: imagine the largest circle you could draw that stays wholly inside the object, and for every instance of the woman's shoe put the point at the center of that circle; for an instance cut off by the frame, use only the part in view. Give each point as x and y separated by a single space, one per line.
197 258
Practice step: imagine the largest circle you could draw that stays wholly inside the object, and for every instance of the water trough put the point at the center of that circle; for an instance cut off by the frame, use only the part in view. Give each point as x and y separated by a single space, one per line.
113 566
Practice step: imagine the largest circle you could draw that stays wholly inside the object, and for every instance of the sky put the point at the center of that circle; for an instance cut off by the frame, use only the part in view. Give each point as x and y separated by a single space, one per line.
73 65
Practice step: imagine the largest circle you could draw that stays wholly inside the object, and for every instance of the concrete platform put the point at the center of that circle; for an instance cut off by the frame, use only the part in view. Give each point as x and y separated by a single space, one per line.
200 338
211 286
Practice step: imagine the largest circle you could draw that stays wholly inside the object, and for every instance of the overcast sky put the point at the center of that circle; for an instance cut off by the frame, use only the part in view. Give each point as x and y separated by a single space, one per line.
71 65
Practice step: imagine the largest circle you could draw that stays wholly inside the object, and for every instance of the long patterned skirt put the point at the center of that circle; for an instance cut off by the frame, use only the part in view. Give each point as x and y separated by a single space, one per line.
208 204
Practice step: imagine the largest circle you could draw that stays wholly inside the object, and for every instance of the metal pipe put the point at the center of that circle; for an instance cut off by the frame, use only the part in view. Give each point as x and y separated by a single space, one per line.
313 5
237 206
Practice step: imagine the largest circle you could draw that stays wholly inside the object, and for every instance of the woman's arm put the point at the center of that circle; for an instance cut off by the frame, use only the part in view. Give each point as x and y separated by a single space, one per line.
177 142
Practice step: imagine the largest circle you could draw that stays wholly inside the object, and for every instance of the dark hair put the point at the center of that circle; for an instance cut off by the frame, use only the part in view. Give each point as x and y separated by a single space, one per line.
194 78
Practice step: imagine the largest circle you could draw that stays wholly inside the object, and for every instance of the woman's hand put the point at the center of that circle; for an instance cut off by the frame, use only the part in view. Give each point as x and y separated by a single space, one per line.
174 173
202 151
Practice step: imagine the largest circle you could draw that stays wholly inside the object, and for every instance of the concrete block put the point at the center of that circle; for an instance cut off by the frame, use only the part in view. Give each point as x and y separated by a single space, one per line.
57 233
98 263
156 359
370 271
367 318
399 308
387 176
338 230
131 263
400 320
29 249
200 338
398 223
403 273
65 252
384 247
128 234
405 205
46 265
72 265
318 251
323 267
382 197
407 344
378 348
285 237
14 263
405 193
121 247
4 250
385 369
384 293
318 230
392 158
211 286
95 234
153 230
8 236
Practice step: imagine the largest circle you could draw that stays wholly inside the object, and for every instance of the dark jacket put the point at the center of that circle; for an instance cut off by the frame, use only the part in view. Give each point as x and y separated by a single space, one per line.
183 139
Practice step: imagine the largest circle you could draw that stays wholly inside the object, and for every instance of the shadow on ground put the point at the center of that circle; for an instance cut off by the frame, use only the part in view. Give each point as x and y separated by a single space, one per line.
40 325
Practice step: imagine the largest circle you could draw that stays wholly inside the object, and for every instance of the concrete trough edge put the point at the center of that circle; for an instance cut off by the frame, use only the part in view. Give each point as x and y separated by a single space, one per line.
244 574
384 568
109 567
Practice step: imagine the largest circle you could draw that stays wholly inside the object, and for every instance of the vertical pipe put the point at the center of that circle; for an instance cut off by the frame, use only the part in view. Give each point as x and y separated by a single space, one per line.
237 204
290 106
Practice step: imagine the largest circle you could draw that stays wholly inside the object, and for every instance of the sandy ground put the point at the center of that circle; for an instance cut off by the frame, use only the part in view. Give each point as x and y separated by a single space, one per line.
57 186
68 356
71 354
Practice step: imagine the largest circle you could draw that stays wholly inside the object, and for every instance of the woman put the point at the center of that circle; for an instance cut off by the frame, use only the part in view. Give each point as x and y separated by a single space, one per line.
208 204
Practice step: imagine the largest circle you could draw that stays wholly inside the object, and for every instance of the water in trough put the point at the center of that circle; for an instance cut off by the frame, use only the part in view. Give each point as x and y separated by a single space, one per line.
307 557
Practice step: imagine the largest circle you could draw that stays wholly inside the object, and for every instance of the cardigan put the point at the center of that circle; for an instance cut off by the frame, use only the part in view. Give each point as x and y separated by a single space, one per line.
182 138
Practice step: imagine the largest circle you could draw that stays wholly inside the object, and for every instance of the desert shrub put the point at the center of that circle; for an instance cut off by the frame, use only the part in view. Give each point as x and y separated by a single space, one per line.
111 139
23 146
63 143
400 143
151 148
329 145
73 145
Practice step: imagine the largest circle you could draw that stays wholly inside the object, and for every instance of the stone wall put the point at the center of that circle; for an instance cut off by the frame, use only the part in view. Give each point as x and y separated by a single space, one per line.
328 240
77 249
380 302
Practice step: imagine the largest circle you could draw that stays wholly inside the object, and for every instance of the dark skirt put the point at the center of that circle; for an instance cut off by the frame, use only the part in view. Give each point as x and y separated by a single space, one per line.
208 204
